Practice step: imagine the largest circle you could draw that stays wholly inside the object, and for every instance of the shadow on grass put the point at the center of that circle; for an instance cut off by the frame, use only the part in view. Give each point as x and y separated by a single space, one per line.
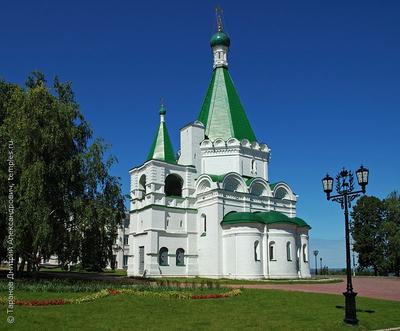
369 311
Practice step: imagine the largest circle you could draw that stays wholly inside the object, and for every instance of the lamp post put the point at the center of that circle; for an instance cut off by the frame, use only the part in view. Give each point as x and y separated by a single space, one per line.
320 264
316 265
345 195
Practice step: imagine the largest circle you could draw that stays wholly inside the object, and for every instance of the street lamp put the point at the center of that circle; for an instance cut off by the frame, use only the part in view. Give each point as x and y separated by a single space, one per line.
320 261
316 265
345 195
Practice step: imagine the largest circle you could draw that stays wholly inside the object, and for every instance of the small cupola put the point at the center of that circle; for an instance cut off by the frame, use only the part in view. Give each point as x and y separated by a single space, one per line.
162 149
220 43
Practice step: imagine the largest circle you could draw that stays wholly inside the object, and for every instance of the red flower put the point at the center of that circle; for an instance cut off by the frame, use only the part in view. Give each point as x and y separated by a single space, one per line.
51 302
112 291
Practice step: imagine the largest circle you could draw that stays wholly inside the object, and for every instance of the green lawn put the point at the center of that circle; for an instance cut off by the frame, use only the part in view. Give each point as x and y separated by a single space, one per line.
253 310
122 273
24 295
319 280
117 272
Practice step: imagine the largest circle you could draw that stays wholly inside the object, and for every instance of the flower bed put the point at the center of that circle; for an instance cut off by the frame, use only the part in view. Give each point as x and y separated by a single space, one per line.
51 302
232 293
108 292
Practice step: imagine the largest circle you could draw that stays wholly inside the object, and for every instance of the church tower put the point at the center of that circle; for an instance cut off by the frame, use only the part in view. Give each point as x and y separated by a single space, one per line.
230 144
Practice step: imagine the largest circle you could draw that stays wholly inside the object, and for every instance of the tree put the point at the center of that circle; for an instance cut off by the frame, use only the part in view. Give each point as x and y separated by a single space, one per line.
367 217
62 182
391 232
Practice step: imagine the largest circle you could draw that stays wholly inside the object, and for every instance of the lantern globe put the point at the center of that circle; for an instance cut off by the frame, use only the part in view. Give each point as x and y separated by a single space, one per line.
327 184
362 176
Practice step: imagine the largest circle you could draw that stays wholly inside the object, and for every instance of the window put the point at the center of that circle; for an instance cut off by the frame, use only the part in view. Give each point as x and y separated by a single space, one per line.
180 257
142 186
253 166
289 251
163 256
305 253
173 185
180 223
125 261
204 223
281 193
257 250
272 251
126 239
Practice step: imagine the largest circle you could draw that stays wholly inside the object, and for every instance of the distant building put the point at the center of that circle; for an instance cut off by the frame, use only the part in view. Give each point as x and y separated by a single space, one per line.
212 211
121 246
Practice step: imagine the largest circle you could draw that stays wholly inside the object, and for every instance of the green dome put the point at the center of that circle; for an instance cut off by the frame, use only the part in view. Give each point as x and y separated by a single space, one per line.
162 110
220 38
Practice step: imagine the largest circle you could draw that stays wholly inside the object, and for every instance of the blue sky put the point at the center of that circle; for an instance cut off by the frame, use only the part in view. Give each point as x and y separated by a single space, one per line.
320 81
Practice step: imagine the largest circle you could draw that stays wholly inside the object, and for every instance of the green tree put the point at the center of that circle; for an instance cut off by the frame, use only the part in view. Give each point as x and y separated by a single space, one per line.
391 232
62 182
367 217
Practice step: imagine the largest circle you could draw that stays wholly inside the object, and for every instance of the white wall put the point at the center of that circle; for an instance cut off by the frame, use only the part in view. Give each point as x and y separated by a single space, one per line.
191 137
239 258
280 267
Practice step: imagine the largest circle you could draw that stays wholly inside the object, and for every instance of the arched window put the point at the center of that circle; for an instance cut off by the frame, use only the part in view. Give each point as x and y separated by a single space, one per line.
142 186
257 250
289 251
305 253
204 223
281 193
258 189
180 257
272 251
163 256
173 185
233 185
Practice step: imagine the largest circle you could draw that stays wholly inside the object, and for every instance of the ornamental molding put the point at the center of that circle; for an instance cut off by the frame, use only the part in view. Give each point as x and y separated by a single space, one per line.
232 144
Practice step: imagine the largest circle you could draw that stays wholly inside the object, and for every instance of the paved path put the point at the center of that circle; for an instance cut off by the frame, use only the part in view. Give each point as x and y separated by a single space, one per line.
387 288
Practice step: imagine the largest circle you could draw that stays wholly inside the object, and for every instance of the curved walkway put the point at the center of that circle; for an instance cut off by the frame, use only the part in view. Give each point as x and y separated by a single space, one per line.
387 288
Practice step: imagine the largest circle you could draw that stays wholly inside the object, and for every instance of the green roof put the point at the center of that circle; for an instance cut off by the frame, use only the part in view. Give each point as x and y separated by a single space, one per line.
161 149
217 178
222 112
272 185
248 179
269 217
220 178
220 38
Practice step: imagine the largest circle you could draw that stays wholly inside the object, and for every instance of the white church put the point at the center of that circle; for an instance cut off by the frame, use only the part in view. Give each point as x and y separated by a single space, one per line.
211 211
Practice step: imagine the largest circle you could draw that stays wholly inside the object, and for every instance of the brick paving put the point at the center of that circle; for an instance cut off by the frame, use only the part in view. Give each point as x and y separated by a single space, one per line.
387 288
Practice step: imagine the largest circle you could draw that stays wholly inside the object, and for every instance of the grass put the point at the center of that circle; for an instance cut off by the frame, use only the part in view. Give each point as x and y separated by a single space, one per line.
58 285
243 281
28 295
77 286
253 310
117 272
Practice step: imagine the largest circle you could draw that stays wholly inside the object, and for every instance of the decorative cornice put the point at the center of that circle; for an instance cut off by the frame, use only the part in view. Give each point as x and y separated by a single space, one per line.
161 207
